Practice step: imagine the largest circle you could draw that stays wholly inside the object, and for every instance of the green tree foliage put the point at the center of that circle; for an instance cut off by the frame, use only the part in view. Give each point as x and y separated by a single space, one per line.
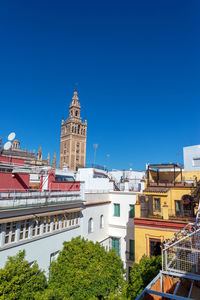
142 274
20 281
85 270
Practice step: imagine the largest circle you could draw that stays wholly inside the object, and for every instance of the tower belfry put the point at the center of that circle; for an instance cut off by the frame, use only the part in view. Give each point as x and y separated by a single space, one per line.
73 137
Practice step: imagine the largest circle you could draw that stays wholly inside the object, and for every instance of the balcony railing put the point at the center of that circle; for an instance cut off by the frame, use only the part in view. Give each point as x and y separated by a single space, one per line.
13 199
170 184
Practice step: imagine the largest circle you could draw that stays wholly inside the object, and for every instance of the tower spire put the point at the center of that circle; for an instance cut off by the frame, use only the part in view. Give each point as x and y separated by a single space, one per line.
73 137
54 163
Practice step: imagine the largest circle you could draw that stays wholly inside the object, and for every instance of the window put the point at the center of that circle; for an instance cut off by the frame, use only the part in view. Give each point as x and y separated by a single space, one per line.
178 207
47 224
90 225
34 228
72 215
154 247
196 162
132 211
77 218
115 245
10 232
54 256
7 233
32 263
64 178
101 221
70 219
13 232
56 223
38 226
24 229
131 249
65 221
157 204
116 210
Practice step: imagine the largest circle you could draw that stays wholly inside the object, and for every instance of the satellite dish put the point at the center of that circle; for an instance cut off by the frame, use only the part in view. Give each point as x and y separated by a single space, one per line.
7 146
11 136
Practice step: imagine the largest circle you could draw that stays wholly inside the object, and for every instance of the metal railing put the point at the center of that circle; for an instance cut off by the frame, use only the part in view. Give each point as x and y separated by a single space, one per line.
95 166
10 199
171 184
183 255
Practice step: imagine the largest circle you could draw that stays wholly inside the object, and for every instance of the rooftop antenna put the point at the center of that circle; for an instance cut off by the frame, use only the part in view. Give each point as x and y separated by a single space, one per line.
95 149
11 136
8 145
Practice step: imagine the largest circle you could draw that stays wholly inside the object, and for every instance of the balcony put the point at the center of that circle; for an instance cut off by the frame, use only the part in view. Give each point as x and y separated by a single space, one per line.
15 199
167 175
168 184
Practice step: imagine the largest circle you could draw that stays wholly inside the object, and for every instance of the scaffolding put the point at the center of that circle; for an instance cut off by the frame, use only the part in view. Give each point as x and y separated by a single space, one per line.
180 275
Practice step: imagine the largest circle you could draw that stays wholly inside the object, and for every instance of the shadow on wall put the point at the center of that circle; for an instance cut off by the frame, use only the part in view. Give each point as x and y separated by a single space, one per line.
130 244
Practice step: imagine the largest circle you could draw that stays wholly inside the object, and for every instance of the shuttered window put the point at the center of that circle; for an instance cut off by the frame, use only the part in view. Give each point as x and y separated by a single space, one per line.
115 245
116 210
131 249
132 211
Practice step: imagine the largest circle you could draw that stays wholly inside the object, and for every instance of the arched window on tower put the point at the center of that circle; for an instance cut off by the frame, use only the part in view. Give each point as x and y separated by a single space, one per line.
90 225
76 113
72 129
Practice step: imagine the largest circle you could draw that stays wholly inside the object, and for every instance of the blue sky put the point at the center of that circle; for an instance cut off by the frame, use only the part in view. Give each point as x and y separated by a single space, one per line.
137 66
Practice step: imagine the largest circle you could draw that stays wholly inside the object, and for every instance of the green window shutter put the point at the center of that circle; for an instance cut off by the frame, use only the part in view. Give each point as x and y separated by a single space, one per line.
131 249
132 211
116 210
115 245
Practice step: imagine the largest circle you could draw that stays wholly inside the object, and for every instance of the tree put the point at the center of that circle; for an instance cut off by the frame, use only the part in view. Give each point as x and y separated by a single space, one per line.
19 280
85 270
142 274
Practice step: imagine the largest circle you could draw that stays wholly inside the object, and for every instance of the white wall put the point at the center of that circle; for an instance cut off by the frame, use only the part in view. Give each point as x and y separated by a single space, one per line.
130 174
189 153
122 227
133 177
92 183
94 212
39 249
119 227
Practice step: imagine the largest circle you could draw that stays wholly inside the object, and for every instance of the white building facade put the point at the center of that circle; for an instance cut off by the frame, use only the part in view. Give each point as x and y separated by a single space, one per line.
40 227
40 221
191 156
106 204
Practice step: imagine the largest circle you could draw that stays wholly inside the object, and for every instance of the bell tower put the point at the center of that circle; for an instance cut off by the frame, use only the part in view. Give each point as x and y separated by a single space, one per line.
73 137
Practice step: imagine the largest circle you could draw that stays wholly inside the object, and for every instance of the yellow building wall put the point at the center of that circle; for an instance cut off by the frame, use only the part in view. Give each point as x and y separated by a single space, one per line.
177 194
190 175
142 236
174 193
